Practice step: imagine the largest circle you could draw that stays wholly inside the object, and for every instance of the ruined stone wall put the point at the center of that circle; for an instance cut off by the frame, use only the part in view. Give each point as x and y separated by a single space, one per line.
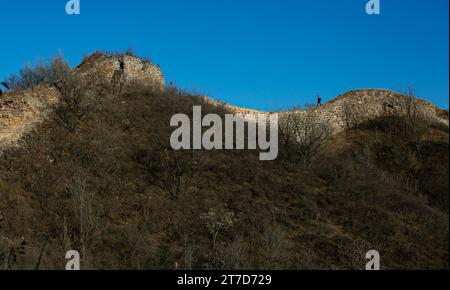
359 106
362 105
101 67
20 111
138 70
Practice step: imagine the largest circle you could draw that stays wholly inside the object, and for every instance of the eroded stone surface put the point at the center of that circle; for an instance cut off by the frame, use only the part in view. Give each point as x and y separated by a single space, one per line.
20 111
362 105
130 69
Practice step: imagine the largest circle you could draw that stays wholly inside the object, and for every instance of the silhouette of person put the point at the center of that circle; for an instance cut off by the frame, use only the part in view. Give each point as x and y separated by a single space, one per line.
319 100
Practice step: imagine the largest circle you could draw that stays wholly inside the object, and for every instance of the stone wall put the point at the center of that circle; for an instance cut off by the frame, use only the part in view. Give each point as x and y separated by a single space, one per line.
361 105
102 67
20 111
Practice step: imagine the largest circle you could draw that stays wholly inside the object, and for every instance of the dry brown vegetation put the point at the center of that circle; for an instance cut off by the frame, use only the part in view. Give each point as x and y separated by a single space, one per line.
99 177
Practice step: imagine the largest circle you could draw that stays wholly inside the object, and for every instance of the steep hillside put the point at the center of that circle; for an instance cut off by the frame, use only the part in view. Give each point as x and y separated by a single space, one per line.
97 175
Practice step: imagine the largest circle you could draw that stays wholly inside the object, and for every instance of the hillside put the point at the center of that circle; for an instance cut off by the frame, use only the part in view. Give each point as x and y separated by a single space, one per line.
86 164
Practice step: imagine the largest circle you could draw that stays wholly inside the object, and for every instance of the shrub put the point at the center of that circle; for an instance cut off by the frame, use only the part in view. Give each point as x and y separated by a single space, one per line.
71 107
43 73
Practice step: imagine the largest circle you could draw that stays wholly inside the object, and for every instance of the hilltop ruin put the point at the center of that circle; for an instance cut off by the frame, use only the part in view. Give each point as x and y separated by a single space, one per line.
119 69
20 110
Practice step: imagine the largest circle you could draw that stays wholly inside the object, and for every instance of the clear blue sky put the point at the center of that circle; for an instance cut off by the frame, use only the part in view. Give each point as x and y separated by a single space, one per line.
264 54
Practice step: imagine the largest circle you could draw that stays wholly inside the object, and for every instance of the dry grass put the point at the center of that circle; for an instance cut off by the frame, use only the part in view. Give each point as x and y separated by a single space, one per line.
100 186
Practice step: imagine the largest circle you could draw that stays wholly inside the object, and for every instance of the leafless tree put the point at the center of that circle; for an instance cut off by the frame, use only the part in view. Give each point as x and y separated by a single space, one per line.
216 221
188 255
89 225
304 135
273 239
42 73
167 167
415 119
70 109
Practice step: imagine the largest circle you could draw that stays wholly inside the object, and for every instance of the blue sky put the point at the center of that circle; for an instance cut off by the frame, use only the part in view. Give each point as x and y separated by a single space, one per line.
263 54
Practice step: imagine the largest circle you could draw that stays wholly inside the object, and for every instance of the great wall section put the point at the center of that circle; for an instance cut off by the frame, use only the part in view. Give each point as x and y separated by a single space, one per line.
357 106
20 111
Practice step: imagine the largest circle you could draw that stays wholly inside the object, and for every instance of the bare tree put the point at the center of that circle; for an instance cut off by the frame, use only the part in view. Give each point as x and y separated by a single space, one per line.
42 73
89 225
167 167
304 135
216 221
415 120
70 109
273 239
188 254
